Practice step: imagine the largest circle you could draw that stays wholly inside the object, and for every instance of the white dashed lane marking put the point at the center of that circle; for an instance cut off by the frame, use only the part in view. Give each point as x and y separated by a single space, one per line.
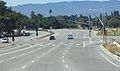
1 61
24 67
13 57
62 56
23 54
66 66
43 54
33 61
38 57
63 60
66 51
78 44
18 50
83 44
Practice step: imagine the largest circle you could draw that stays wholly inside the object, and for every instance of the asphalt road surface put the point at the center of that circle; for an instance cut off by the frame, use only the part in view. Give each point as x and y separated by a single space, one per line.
79 54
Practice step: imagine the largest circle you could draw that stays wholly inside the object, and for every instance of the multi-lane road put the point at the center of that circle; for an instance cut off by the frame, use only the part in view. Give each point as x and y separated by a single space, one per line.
79 54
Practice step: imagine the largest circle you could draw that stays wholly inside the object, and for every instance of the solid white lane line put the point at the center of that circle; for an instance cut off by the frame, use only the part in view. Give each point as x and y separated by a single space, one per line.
84 35
18 50
94 33
100 39
66 66
13 48
109 60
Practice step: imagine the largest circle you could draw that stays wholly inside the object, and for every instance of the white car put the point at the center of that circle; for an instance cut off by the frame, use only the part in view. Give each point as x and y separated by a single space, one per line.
5 40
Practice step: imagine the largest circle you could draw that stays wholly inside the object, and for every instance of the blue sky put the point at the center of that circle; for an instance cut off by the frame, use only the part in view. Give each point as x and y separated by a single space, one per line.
21 2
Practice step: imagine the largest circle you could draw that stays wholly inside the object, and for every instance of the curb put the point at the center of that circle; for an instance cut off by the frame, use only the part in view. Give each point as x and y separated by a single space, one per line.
51 33
116 43
109 53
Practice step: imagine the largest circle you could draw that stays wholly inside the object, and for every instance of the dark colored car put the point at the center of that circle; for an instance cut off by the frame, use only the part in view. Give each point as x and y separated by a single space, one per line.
27 34
70 37
52 38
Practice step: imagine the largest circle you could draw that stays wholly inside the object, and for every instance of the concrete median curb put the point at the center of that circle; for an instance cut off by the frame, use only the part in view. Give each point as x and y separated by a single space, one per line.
50 33
109 53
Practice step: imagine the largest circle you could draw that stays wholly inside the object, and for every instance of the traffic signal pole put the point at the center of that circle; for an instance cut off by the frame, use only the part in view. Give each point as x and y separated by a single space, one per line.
104 31
13 37
37 32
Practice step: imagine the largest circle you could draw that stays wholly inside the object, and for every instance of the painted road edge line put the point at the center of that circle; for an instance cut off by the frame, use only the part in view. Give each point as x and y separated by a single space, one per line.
110 54
109 60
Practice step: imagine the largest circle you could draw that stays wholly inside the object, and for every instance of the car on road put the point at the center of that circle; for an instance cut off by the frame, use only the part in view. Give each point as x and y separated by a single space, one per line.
5 40
27 34
70 37
52 38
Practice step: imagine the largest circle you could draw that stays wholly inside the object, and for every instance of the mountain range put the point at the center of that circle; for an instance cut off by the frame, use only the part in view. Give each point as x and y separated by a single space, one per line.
70 8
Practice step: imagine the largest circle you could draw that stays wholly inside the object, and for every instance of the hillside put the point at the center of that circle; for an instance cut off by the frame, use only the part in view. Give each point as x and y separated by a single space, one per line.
68 8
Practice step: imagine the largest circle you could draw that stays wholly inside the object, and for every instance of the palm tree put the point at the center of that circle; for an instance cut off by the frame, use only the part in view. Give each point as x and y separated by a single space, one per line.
50 11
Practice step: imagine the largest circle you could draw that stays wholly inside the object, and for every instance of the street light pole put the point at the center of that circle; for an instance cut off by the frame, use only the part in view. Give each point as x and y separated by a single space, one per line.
89 28
103 25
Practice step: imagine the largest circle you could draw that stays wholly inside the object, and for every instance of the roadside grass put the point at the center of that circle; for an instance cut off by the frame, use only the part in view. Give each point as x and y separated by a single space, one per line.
113 48
110 32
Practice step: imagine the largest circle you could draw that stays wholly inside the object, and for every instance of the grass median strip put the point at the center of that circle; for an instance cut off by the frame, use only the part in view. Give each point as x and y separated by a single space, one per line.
111 32
113 48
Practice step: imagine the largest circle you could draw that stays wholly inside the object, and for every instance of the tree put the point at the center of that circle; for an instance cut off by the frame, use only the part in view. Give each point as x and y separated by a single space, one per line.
116 13
3 8
114 23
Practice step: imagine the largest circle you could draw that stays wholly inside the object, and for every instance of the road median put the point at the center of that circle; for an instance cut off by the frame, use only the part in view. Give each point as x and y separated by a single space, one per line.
50 33
110 51
110 32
